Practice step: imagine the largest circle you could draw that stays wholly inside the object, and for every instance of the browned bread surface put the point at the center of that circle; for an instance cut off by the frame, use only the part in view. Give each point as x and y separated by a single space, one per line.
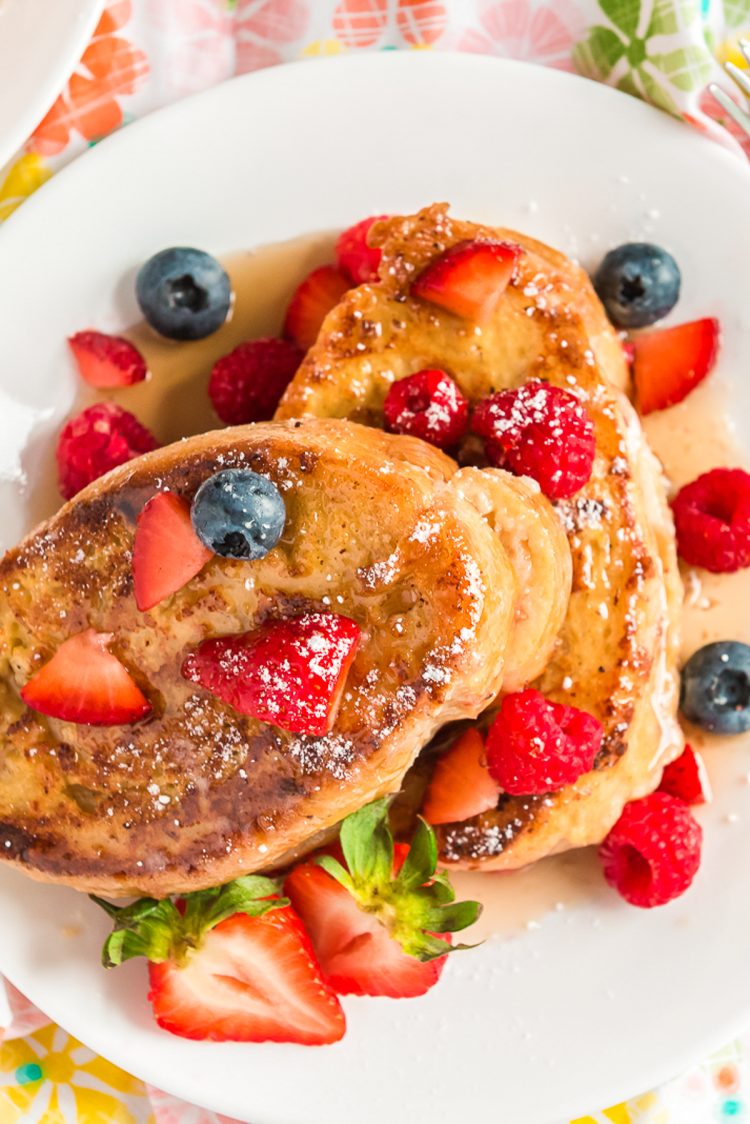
617 650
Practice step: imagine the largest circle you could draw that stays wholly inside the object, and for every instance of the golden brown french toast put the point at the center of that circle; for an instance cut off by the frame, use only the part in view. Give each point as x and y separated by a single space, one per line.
617 649
196 793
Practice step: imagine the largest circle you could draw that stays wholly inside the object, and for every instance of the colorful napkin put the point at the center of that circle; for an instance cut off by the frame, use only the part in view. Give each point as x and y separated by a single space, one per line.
146 53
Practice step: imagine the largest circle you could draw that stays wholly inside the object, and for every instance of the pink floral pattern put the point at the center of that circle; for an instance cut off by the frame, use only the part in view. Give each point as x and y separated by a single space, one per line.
522 29
265 29
198 46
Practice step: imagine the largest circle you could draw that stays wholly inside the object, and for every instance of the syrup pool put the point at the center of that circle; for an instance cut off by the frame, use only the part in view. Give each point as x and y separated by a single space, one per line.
689 439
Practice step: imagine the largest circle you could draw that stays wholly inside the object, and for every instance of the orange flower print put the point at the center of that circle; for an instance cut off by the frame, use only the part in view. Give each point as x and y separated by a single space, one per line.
110 67
363 23
264 28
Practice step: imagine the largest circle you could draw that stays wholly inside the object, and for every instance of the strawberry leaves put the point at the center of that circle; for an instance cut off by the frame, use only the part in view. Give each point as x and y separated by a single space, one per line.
167 930
415 904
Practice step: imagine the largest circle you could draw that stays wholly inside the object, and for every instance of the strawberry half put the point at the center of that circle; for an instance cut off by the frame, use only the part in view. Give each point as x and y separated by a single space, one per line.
671 362
228 964
379 924
167 553
85 683
311 302
461 786
290 672
469 278
107 361
354 256
687 779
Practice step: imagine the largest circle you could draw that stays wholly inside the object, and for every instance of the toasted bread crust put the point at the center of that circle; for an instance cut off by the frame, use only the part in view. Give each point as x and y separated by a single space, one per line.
197 793
617 650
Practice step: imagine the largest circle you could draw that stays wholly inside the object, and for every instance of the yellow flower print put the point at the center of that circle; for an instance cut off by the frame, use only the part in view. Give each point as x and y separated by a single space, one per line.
50 1078
729 50
24 176
639 1110
320 48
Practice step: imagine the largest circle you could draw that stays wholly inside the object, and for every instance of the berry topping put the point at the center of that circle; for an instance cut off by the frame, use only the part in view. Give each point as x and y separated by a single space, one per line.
311 302
686 778
539 431
230 964
85 683
167 553
379 926
95 441
638 284
238 514
715 687
429 405
184 294
535 745
469 278
353 255
105 361
461 785
290 672
712 520
653 852
670 362
247 384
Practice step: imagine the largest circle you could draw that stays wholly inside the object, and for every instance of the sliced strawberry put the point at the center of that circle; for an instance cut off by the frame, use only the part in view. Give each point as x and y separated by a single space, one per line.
167 553
85 683
106 361
289 672
232 963
687 779
629 351
311 302
469 278
461 786
378 914
356 953
354 257
254 979
670 362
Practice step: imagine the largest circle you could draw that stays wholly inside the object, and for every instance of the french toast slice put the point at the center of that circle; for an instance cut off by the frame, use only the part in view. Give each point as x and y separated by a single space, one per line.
617 649
198 793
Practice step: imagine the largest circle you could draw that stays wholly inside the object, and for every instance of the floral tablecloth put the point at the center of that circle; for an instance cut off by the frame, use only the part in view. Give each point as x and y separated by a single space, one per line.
145 53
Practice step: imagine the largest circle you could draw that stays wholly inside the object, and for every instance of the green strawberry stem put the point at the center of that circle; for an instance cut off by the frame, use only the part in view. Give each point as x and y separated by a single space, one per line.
159 930
414 905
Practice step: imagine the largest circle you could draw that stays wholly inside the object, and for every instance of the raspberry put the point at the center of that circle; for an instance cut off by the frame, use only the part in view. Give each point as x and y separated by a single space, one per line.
540 431
712 520
653 852
429 405
354 257
535 745
247 384
95 441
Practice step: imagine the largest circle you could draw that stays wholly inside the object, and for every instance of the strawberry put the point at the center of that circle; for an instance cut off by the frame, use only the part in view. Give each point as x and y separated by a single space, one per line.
354 257
228 964
167 553
106 361
461 786
85 683
687 779
311 302
380 923
288 672
469 278
670 362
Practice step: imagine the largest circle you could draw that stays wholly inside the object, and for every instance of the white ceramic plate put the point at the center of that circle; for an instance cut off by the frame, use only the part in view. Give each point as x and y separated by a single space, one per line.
40 43
601 1000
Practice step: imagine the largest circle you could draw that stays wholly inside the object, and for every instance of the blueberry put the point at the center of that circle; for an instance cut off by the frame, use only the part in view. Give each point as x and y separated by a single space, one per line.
715 689
238 514
637 283
184 294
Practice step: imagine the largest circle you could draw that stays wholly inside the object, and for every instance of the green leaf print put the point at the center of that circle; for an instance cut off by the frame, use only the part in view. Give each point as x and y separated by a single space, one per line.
624 14
660 65
687 68
596 56
737 13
